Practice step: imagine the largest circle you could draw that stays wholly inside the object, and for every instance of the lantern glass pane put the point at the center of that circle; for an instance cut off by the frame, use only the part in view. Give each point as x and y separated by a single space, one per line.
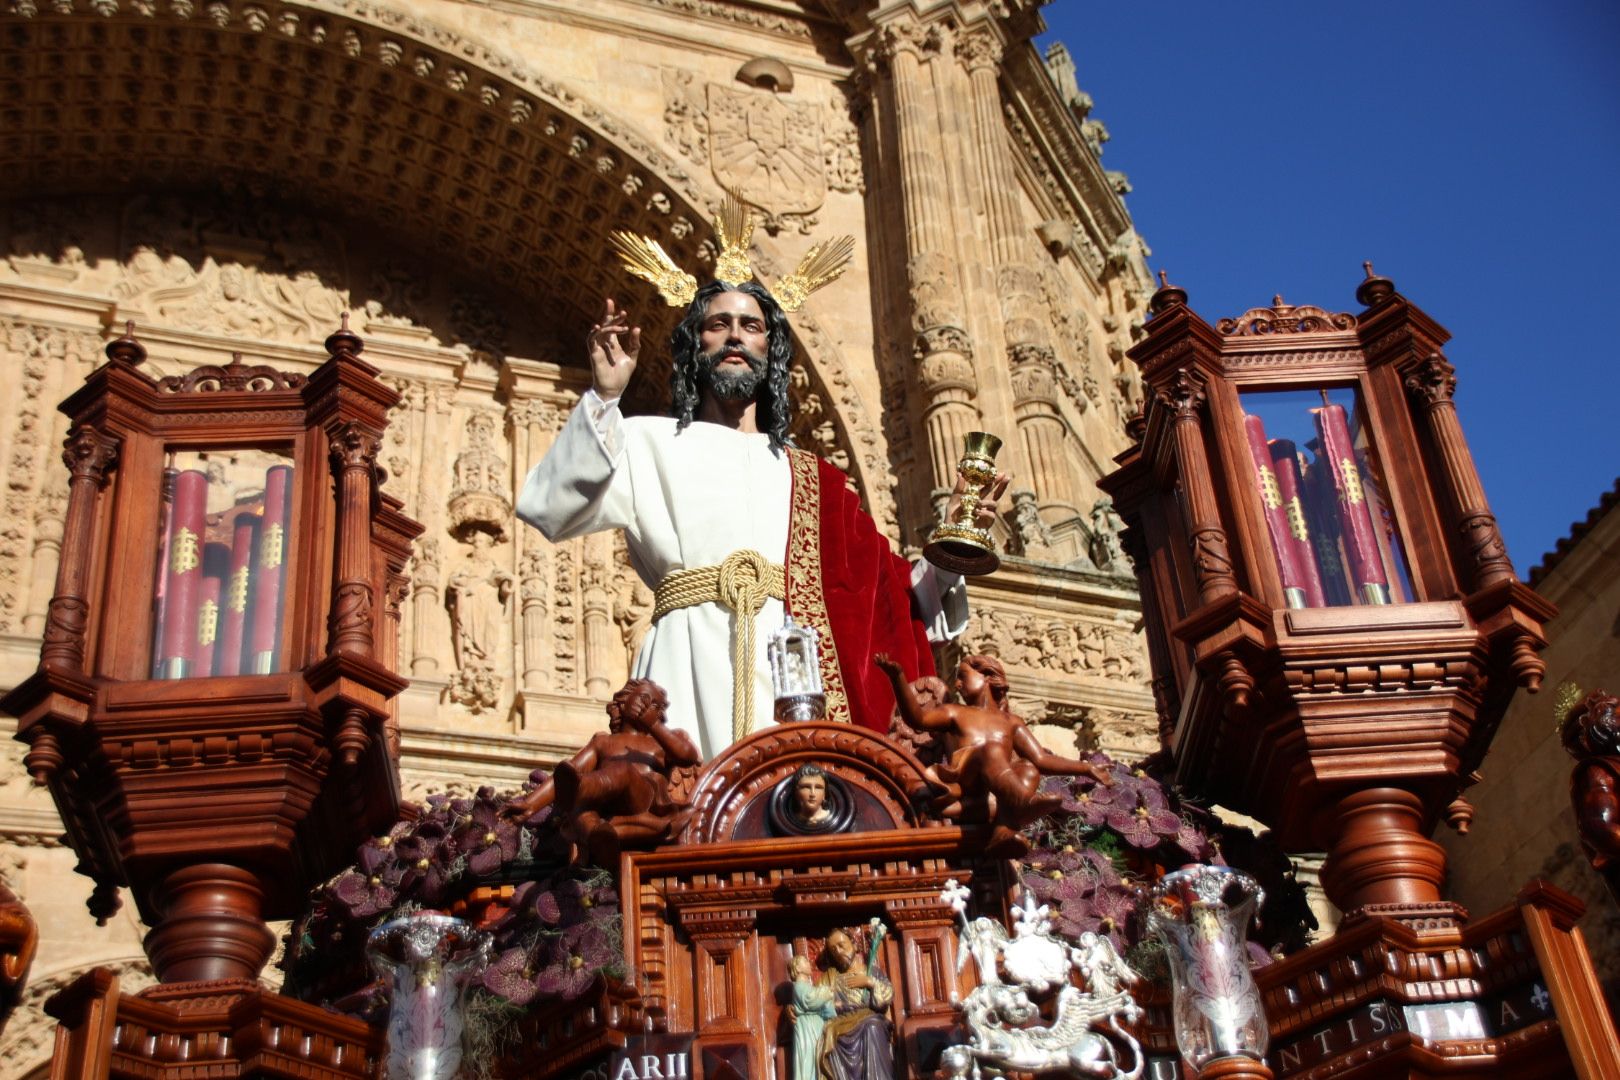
224 532
1332 528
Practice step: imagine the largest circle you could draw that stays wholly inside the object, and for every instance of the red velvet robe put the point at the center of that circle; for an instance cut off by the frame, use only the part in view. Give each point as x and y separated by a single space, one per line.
845 581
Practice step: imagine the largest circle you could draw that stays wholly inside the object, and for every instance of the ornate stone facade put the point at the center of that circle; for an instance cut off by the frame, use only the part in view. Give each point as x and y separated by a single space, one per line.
458 168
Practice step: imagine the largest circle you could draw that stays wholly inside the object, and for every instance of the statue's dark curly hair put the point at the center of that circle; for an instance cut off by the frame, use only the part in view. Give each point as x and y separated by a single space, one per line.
774 409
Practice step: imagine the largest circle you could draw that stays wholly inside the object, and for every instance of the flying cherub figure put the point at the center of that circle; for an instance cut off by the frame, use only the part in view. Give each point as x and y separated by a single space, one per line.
994 762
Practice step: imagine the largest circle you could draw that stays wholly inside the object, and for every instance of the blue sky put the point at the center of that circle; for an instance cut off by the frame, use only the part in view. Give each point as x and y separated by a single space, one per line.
1471 150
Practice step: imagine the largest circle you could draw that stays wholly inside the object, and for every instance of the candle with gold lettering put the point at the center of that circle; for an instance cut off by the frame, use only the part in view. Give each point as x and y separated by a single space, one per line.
1285 467
207 625
182 583
234 595
1362 556
269 574
1271 501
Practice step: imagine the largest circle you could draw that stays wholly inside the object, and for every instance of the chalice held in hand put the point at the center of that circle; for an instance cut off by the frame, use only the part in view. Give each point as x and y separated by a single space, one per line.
962 546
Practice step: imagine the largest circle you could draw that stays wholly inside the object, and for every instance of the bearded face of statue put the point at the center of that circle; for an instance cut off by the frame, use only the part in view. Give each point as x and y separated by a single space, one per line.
732 344
842 950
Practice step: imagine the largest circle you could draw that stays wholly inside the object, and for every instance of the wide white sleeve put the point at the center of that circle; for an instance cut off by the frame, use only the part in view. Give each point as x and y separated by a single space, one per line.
941 599
581 485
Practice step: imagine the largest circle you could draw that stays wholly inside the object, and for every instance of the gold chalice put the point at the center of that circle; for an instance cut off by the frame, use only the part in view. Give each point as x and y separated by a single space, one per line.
961 545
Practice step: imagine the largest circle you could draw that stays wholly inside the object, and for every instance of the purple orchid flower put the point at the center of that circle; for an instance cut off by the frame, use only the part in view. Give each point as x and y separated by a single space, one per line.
372 886
575 959
514 975
487 839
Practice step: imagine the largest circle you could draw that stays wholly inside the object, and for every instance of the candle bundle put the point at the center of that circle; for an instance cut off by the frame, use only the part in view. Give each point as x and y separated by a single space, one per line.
1296 565
1363 558
221 587
1331 534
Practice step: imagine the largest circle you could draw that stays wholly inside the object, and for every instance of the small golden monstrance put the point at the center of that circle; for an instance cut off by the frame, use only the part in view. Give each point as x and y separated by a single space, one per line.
960 545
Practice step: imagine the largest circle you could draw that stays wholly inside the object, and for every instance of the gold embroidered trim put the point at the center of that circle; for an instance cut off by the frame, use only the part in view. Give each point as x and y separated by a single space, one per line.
806 600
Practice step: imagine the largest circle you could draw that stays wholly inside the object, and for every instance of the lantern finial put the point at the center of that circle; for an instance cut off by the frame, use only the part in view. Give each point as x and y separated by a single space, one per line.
1167 295
1375 289
126 350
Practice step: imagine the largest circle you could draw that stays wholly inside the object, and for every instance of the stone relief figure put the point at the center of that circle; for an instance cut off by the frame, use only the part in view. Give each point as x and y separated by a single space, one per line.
477 596
1106 526
623 788
995 763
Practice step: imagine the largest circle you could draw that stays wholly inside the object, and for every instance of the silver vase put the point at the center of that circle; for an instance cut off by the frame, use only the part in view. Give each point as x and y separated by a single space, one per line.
1202 914
428 961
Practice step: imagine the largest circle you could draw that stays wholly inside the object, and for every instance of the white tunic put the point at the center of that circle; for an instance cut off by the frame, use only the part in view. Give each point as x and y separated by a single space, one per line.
688 499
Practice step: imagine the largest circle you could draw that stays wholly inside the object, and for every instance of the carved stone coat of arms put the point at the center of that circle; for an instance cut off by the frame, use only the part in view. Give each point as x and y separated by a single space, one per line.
766 149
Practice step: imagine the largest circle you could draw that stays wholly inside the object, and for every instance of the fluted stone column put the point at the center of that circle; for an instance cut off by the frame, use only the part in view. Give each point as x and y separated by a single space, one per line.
1032 361
942 347
424 608
596 617
534 588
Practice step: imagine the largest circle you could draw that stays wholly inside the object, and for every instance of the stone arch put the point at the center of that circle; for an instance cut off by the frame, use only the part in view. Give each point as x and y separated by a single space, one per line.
358 104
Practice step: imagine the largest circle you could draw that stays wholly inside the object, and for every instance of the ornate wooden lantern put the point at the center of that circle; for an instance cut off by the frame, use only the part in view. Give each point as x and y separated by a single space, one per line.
212 694
1335 626
1335 632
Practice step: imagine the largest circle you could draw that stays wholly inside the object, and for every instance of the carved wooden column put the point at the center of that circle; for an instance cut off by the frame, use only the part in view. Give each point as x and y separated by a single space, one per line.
1380 855
942 348
1184 397
354 449
1432 382
88 455
726 988
212 926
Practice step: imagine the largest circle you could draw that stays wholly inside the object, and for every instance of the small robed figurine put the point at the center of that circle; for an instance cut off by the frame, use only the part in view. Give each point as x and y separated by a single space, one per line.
616 791
840 1031
991 755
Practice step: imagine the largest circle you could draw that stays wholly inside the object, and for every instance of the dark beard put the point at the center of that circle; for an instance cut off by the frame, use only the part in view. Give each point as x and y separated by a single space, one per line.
728 384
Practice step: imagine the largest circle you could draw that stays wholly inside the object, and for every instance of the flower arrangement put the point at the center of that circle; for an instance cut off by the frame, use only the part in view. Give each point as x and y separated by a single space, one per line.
555 935
1091 861
557 928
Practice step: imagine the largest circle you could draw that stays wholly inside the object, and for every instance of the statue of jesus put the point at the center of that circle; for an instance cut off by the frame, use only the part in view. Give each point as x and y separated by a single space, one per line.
733 528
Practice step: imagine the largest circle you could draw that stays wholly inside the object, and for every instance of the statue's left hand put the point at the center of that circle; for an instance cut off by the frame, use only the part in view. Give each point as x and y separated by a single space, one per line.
990 496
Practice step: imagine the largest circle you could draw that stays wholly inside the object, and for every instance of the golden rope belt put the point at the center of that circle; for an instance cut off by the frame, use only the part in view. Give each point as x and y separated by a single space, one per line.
740 583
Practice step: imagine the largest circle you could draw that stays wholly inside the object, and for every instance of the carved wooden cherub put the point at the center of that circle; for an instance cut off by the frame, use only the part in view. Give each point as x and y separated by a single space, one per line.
994 763
616 791
19 937
1591 733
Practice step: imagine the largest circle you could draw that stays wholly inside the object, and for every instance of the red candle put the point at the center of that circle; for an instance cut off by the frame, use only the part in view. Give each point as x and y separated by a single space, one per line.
1285 465
1356 523
183 576
207 626
234 599
1271 499
268 592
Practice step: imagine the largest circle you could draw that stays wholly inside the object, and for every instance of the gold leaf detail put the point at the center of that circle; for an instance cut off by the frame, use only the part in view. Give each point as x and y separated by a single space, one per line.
184 551
647 260
820 266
